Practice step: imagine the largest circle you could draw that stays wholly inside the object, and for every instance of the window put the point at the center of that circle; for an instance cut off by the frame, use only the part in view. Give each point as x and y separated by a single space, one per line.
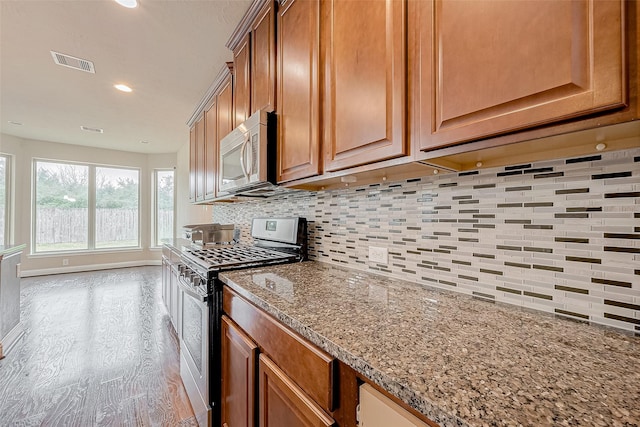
117 201
5 197
164 206
85 207
61 207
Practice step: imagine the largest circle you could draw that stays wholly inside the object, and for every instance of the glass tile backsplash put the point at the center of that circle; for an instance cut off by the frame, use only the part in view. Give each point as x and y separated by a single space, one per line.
560 236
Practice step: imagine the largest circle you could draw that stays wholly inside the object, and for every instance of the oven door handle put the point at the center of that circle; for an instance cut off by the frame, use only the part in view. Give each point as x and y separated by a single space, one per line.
187 290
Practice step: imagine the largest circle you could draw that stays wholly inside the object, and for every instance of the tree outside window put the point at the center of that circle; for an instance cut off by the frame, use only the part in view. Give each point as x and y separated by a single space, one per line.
117 201
85 207
164 212
61 207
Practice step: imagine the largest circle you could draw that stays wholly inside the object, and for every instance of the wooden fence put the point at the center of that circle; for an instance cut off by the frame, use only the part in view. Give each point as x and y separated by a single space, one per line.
54 225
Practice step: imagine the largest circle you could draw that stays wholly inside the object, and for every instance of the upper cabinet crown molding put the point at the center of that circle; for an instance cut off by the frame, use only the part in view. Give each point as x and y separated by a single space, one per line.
218 82
245 24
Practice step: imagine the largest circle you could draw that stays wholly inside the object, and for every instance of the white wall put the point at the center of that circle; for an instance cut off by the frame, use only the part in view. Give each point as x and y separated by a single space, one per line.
25 150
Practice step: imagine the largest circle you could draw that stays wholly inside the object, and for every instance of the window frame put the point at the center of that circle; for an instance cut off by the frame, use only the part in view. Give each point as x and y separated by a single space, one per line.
91 206
155 244
8 200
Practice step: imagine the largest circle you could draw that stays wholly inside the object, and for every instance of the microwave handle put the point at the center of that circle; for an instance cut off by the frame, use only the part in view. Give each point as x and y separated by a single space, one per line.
243 151
250 165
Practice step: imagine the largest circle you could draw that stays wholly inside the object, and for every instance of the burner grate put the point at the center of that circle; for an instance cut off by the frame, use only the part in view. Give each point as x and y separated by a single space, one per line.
227 257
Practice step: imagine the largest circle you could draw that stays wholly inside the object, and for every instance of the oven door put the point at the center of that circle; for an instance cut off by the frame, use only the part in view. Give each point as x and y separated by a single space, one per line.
194 349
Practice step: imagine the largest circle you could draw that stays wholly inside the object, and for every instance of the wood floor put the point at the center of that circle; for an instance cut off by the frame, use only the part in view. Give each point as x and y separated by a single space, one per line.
98 351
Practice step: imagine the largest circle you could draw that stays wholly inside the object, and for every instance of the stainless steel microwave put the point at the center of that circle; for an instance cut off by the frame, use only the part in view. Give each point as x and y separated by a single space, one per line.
247 157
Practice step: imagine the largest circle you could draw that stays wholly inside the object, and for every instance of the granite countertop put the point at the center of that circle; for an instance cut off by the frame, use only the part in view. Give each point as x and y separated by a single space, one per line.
458 360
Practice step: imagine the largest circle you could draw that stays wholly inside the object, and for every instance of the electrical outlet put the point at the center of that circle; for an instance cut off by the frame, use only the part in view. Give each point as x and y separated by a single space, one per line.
378 255
65 261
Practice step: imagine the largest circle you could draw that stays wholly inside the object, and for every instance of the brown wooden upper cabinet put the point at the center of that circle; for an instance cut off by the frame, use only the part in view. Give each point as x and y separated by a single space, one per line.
364 65
263 59
241 80
192 164
210 148
225 110
298 89
254 55
199 158
211 122
218 121
487 67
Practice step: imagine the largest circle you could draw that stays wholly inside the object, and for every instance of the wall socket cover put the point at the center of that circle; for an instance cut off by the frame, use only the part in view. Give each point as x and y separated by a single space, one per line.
378 255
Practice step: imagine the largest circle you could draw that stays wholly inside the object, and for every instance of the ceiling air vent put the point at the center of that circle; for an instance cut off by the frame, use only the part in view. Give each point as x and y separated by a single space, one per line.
94 130
73 62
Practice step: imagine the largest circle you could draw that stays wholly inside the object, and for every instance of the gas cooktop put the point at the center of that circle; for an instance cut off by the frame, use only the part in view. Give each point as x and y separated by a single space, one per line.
275 240
227 257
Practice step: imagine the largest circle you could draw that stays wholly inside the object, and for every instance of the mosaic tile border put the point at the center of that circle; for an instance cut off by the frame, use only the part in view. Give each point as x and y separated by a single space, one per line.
561 236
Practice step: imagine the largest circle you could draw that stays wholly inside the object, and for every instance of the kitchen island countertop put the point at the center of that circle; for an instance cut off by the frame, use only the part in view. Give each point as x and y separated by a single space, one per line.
458 360
6 250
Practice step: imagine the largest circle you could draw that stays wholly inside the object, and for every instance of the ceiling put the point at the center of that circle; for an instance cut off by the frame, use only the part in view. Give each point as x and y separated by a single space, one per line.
167 51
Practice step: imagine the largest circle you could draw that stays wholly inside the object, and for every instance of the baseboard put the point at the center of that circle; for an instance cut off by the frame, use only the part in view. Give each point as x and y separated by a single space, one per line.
11 339
84 268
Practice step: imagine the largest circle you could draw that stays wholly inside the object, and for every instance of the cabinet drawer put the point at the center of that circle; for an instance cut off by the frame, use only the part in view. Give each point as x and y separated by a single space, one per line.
311 368
283 403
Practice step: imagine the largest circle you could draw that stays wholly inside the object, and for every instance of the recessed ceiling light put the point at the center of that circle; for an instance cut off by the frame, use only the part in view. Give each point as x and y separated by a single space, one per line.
15 123
123 88
144 142
128 3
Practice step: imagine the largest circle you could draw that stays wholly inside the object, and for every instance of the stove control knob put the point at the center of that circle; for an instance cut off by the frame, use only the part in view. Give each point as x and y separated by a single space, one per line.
196 280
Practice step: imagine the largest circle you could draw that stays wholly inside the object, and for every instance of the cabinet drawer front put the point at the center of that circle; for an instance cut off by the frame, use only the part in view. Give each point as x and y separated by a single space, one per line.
311 368
283 403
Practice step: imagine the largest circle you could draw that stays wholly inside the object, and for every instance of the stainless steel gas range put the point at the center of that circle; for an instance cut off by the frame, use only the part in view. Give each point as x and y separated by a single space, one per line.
276 240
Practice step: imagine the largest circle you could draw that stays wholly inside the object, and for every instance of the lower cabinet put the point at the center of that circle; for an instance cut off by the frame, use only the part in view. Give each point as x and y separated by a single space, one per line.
166 272
377 410
174 291
283 403
170 289
271 377
239 355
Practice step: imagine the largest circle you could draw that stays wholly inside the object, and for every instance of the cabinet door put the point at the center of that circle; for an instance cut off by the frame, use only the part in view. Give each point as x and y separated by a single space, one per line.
242 89
199 159
174 292
283 403
298 90
210 149
192 164
263 60
365 82
166 277
488 67
239 356
225 109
